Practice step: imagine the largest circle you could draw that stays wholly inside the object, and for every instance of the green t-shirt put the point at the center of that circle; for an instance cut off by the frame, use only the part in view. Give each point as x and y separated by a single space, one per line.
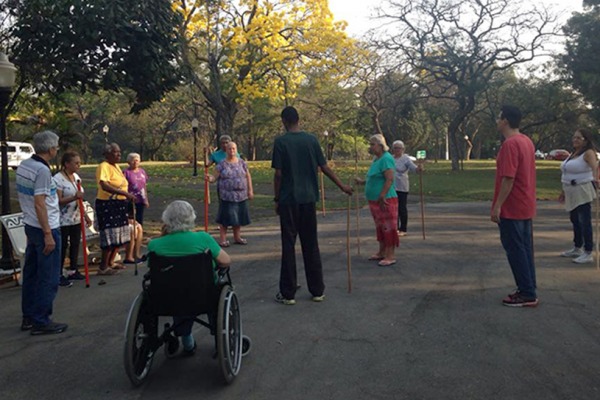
184 244
376 177
298 155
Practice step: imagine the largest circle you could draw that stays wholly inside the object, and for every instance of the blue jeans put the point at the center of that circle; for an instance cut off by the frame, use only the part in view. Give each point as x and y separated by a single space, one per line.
40 276
583 235
517 240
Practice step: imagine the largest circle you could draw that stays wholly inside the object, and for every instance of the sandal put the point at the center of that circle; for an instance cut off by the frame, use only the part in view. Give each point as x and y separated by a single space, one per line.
107 271
120 266
375 257
386 263
241 241
224 244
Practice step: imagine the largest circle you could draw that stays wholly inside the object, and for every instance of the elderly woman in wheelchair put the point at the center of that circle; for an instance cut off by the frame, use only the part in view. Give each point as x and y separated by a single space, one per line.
189 277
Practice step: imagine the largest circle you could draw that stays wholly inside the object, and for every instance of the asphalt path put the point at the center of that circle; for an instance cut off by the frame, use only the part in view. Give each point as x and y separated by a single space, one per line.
430 327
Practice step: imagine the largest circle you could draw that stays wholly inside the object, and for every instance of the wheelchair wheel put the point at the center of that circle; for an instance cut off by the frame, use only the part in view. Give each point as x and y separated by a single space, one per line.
140 335
229 334
246 345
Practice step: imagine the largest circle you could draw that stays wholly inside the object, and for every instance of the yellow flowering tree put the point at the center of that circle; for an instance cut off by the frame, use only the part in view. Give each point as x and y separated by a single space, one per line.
239 51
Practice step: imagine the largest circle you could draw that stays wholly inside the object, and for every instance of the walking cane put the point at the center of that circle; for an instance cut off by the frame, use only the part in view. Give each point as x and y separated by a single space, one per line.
357 199
422 203
133 240
349 268
206 196
86 267
322 192
597 232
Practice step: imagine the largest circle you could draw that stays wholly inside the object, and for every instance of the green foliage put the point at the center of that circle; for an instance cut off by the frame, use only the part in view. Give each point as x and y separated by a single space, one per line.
582 58
102 44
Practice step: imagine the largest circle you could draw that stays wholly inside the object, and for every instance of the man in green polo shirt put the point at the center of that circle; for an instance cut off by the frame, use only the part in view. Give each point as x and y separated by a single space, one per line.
297 156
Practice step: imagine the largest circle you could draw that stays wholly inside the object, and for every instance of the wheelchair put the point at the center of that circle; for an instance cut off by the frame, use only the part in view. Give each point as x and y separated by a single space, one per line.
183 286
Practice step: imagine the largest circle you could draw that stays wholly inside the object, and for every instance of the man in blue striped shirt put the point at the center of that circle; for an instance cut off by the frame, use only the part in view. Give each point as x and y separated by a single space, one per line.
41 214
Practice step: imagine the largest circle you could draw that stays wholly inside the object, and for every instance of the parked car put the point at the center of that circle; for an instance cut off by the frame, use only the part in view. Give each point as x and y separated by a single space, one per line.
17 152
539 155
558 154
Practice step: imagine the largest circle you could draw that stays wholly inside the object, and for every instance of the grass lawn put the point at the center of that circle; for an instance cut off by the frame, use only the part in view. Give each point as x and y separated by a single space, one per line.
440 184
173 180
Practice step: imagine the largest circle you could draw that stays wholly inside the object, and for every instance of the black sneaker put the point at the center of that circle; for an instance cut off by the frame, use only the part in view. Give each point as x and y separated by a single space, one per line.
26 324
280 299
516 300
76 276
51 328
64 282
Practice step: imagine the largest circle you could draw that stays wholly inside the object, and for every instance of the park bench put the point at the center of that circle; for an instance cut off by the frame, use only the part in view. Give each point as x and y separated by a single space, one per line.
13 223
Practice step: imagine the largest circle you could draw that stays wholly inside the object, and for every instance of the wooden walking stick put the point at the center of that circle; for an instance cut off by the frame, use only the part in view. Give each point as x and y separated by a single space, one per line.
206 194
349 262
86 267
597 232
357 198
422 203
322 192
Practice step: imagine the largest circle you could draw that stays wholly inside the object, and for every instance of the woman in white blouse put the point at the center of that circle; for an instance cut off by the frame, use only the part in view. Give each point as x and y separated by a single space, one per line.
403 166
579 174
70 221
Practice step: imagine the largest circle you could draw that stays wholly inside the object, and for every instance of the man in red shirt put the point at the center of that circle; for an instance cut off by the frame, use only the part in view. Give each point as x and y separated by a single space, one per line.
513 207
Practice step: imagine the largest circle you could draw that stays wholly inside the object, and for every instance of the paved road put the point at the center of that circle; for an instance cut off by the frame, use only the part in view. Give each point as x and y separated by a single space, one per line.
431 327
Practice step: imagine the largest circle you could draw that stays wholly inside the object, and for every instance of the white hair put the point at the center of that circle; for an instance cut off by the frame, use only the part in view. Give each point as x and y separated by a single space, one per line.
398 143
44 141
131 156
179 216
380 139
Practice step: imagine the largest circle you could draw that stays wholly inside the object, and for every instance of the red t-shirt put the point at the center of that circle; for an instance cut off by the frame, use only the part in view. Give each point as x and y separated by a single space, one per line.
516 159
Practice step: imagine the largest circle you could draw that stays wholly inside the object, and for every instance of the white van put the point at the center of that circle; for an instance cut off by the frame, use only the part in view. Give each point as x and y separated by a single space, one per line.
17 152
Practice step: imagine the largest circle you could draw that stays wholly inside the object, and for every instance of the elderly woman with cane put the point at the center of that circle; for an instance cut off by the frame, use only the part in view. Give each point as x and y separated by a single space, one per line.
383 201
403 165
178 239
111 208
235 189
67 181
579 174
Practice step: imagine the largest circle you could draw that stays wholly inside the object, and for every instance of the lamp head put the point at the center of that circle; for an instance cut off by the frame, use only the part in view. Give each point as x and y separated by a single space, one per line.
8 72
195 123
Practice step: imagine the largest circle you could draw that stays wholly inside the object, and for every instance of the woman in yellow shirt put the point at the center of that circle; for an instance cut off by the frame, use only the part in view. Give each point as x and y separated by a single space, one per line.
112 201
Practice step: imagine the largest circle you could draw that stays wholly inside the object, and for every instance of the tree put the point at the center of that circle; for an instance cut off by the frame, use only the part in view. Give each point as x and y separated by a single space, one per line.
238 51
58 45
453 48
582 57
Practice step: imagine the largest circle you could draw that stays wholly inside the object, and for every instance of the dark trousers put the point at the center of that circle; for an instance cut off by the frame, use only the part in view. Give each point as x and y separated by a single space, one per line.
299 220
402 211
581 218
517 239
70 235
139 212
40 276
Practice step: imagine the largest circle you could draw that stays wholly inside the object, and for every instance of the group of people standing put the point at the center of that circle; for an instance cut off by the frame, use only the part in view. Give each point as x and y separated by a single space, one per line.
53 225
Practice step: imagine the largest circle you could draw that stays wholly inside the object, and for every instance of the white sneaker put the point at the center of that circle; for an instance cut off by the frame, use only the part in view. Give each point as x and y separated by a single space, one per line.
584 258
574 252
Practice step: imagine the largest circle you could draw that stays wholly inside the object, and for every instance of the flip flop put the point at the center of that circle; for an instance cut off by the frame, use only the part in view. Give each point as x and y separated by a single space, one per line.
224 244
375 257
242 241
386 263
107 271
121 266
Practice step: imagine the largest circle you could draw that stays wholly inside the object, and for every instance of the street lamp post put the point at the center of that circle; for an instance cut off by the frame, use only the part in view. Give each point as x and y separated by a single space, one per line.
195 131
105 130
7 81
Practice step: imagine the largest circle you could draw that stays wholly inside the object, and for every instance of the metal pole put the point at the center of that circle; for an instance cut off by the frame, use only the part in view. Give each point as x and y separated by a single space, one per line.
6 262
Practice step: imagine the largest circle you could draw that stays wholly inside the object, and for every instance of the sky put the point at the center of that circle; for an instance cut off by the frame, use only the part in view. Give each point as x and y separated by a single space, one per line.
357 12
